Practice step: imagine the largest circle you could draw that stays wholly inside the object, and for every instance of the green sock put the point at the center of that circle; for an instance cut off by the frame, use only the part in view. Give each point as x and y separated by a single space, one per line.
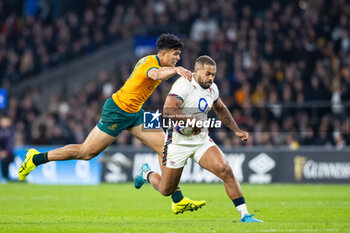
40 158
177 195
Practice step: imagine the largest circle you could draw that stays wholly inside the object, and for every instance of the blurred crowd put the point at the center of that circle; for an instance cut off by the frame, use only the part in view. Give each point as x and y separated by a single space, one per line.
41 35
283 67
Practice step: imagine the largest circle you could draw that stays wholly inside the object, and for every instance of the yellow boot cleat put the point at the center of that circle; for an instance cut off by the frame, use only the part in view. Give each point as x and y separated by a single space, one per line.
28 165
186 205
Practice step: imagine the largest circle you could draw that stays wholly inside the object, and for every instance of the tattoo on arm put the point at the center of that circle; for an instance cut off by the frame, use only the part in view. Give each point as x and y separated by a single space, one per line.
227 121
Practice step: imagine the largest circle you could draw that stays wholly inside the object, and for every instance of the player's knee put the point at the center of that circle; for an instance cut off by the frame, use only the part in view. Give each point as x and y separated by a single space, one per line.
86 154
224 170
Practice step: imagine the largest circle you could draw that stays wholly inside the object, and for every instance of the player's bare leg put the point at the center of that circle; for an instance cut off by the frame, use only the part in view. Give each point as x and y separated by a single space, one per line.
168 182
93 145
214 161
96 142
155 140
163 183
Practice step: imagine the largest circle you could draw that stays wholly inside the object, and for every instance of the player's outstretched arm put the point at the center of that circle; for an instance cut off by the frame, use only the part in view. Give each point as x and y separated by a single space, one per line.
226 118
165 73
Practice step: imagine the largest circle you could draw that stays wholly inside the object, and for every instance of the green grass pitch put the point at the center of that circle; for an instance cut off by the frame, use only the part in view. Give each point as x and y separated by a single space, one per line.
121 208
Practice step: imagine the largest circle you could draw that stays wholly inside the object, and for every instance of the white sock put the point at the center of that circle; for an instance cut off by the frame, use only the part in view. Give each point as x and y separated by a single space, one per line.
242 209
145 174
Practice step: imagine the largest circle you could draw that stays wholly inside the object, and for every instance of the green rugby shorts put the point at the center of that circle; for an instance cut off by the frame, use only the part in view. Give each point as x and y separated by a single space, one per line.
114 119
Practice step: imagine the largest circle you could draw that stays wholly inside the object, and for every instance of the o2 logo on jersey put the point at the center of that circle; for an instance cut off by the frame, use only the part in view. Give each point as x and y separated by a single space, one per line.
202 104
151 120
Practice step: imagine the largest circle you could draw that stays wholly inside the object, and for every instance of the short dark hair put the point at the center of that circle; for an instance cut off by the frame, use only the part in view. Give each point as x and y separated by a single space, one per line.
169 41
202 60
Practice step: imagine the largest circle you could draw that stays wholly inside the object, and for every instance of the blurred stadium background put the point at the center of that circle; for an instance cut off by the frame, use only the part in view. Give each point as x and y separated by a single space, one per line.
283 71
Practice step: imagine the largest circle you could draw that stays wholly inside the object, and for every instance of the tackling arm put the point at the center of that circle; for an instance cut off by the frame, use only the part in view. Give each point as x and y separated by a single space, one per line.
164 73
225 116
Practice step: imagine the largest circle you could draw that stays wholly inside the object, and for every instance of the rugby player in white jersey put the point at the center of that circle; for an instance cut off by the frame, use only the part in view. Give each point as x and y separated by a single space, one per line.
191 102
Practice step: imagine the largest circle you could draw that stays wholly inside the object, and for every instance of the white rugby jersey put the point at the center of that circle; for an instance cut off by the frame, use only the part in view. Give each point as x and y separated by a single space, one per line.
197 102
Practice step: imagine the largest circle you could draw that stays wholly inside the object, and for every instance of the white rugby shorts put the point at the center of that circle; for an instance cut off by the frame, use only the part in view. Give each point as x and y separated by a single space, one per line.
175 156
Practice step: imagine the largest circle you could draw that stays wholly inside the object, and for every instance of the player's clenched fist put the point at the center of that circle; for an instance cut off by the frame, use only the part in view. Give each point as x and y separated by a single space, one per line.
242 134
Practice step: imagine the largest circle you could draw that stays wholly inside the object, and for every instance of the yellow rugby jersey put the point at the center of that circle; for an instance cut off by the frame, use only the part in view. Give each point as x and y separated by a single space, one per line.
139 86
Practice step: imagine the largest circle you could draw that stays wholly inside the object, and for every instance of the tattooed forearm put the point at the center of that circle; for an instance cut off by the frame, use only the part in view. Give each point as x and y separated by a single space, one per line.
225 116
227 121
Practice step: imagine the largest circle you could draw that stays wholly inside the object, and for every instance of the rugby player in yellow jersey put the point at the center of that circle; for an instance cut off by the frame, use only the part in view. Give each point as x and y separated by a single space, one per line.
123 111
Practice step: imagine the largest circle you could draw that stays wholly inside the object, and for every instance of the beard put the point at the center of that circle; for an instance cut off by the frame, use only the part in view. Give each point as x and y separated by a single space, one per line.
203 84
